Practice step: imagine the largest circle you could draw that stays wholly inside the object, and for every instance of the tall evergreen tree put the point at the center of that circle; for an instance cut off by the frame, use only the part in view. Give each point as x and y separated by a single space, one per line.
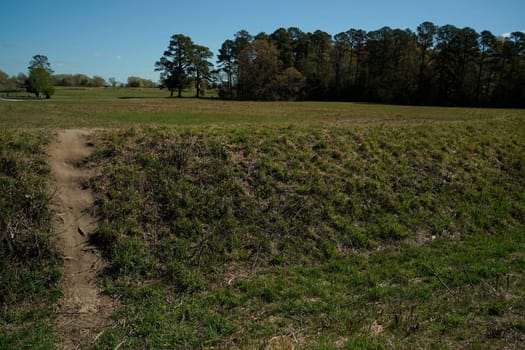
319 71
176 63
426 36
242 41
201 66
282 39
227 62
358 42
485 68
340 57
40 61
457 50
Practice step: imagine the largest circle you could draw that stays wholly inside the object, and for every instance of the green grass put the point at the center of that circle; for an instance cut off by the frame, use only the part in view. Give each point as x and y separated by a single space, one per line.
110 108
29 262
385 235
277 225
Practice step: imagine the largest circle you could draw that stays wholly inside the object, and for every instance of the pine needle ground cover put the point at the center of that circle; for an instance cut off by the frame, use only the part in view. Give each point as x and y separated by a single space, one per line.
373 235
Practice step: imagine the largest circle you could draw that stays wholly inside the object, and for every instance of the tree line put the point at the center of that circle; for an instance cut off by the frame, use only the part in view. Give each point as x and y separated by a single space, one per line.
436 65
41 81
82 80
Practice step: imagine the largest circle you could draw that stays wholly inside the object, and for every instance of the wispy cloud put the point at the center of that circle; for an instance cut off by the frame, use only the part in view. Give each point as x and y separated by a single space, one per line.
97 55
118 57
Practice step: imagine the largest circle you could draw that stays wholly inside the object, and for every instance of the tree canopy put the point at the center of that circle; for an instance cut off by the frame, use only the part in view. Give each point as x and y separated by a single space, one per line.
6 83
40 80
435 65
201 67
40 61
138 82
184 63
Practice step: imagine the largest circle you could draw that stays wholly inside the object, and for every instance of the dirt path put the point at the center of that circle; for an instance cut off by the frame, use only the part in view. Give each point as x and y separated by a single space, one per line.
82 310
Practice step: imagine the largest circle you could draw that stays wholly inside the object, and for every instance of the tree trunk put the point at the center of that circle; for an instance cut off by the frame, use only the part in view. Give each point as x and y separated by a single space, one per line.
478 83
350 66
198 84
180 92
230 84
357 64
337 80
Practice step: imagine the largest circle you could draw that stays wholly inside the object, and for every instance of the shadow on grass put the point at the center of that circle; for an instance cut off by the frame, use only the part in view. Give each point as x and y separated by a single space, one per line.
168 97
140 97
22 98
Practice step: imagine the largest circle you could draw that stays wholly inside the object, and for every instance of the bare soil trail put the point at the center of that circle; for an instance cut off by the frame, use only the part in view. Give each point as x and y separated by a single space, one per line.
83 310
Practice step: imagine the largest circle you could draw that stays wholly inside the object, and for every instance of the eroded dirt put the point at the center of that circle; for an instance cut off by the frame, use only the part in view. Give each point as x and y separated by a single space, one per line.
83 311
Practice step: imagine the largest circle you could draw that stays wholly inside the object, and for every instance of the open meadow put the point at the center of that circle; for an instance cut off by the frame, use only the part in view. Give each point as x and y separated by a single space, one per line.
272 225
126 107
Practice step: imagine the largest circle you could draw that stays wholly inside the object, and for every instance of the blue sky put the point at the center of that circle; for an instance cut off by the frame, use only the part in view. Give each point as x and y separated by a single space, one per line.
120 38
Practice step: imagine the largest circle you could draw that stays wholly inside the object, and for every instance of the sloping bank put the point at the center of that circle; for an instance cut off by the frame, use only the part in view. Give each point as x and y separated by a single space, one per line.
29 262
373 236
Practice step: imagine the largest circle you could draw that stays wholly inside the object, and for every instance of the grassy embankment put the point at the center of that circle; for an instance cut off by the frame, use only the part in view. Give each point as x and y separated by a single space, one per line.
379 235
29 263
314 225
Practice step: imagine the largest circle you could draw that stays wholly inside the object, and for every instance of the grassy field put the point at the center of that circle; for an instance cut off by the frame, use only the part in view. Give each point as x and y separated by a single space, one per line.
279 225
116 108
